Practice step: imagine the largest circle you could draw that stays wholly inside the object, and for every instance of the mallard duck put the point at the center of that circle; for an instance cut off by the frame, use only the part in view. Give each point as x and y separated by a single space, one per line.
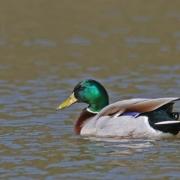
126 118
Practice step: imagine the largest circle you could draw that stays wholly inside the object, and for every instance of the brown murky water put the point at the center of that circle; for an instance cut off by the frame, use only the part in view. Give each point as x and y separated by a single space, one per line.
46 47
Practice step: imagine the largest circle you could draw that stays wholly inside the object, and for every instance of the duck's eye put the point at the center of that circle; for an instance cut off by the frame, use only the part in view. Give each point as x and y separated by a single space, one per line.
81 88
78 88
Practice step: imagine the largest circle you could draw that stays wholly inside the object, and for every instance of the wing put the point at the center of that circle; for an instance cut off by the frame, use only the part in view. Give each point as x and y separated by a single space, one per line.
135 105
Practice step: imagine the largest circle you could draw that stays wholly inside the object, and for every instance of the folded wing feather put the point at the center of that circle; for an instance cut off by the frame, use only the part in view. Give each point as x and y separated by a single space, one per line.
135 105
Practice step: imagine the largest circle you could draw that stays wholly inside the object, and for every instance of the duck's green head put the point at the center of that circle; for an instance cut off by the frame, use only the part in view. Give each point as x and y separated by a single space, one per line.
90 92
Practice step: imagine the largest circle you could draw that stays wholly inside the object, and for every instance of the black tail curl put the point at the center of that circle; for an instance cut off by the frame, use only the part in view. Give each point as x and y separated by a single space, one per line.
158 118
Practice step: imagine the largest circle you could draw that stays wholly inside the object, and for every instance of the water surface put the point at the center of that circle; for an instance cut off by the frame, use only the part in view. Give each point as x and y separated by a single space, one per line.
133 48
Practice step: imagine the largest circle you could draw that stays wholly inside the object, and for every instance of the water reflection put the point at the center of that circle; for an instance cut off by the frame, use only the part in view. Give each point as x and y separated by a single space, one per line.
79 41
39 43
121 147
134 41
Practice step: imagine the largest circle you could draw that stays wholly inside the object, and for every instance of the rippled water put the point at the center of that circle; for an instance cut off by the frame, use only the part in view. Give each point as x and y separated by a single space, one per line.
46 47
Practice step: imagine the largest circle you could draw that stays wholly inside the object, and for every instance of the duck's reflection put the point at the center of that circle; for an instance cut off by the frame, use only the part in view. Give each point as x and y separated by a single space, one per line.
117 146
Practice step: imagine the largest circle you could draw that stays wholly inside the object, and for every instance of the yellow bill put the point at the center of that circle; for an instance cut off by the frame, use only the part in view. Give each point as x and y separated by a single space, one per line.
69 101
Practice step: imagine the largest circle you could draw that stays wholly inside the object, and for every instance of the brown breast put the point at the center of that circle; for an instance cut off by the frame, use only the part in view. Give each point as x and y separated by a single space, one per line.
85 115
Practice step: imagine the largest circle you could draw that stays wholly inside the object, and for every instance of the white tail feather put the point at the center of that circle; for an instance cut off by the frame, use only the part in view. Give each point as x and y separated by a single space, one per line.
167 122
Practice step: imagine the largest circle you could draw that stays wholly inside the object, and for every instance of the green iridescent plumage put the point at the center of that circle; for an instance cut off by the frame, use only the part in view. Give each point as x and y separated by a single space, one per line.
92 93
